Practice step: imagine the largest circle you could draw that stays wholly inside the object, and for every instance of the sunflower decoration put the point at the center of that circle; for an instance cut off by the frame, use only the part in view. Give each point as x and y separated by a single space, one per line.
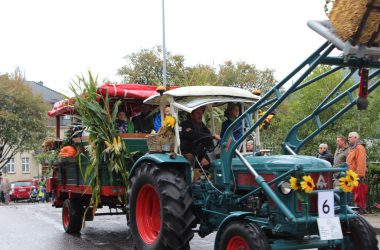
302 186
345 185
169 121
307 184
294 183
352 177
348 182
166 132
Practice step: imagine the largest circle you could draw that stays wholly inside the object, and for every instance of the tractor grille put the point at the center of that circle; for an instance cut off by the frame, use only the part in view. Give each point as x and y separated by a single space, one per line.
322 181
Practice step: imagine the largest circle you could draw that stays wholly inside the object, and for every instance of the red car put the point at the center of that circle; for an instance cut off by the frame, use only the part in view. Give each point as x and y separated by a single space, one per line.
22 189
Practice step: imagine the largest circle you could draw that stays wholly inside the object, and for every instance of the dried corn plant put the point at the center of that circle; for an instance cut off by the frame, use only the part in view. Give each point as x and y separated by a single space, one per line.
346 16
105 146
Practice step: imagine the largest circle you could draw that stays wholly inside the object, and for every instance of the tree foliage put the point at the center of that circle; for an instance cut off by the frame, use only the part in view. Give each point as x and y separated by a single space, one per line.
246 76
305 101
145 67
22 118
200 75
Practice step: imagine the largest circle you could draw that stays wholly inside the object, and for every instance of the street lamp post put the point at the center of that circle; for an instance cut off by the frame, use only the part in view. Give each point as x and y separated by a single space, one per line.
163 45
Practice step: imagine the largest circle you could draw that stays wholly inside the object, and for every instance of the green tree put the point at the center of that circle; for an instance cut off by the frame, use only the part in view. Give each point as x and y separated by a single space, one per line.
22 118
200 75
303 102
145 67
246 76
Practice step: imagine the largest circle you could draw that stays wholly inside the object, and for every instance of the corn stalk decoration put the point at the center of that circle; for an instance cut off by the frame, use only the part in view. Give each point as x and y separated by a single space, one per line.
105 145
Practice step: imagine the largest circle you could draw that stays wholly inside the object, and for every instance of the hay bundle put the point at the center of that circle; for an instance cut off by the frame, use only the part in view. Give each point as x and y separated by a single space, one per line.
347 15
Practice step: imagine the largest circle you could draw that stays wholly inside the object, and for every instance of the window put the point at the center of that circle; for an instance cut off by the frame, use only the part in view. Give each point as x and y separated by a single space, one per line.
11 166
25 164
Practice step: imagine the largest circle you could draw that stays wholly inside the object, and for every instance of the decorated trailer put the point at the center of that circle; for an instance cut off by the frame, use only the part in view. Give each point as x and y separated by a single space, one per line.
72 190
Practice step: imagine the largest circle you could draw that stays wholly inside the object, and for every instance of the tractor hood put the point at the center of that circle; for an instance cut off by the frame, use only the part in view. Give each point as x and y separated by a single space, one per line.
269 167
279 162
288 161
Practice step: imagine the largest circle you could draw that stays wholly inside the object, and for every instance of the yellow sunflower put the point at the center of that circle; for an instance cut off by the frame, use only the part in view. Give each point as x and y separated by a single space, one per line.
353 178
169 121
294 183
345 184
307 184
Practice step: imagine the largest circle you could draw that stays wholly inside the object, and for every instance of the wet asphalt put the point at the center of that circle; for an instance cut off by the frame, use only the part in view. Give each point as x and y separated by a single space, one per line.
39 226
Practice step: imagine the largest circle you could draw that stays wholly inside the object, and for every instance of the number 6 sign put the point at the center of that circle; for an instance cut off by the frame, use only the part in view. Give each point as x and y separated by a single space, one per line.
326 204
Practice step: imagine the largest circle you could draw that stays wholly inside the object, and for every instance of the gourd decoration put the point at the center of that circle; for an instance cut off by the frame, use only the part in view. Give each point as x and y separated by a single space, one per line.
68 151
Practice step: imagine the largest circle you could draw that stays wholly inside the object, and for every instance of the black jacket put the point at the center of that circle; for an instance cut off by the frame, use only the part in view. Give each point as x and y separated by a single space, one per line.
143 123
327 155
191 132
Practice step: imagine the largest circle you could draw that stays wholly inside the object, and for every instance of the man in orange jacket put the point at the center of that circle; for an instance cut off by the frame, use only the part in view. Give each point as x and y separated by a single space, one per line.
356 160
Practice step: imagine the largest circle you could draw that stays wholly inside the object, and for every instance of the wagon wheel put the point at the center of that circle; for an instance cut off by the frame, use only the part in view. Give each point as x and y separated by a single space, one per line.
242 235
161 214
72 214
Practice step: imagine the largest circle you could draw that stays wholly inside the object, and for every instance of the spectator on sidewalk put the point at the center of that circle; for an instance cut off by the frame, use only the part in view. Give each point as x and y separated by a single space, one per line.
6 189
341 151
357 162
356 158
250 146
325 154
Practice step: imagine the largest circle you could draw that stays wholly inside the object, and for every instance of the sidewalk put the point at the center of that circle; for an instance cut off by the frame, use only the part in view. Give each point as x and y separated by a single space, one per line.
374 220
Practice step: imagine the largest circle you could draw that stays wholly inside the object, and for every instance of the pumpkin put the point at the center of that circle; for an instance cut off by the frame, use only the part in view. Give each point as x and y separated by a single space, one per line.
68 151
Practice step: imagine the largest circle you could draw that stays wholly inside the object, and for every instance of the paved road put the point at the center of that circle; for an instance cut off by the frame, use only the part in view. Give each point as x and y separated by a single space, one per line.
38 226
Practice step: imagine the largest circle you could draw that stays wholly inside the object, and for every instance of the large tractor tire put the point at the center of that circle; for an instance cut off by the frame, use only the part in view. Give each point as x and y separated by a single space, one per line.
361 235
242 235
72 215
161 214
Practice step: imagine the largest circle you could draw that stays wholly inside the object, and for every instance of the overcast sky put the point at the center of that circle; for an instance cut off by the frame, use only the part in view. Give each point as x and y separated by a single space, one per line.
54 41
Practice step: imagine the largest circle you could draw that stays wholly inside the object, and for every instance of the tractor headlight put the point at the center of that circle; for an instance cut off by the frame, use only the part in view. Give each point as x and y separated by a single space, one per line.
284 187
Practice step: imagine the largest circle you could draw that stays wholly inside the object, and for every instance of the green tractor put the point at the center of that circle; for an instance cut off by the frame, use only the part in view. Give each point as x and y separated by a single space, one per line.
245 197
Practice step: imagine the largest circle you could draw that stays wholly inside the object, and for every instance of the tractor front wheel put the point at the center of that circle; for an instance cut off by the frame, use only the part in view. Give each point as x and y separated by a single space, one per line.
160 208
242 235
72 213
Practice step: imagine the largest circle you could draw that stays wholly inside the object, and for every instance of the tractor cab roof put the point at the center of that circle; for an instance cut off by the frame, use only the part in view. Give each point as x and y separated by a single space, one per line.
192 97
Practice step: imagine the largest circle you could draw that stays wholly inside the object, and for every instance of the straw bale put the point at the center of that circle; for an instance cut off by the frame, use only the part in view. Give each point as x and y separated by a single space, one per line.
346 15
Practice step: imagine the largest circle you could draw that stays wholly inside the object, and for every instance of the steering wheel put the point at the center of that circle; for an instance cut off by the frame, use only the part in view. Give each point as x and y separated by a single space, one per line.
203 144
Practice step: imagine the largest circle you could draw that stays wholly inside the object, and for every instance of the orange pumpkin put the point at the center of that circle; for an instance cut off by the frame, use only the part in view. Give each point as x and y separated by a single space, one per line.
68 151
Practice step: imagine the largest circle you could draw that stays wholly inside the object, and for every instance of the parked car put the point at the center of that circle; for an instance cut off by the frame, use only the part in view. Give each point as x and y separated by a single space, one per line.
22 189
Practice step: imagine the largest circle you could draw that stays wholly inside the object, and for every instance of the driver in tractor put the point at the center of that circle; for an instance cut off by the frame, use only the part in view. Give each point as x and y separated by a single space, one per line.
193 132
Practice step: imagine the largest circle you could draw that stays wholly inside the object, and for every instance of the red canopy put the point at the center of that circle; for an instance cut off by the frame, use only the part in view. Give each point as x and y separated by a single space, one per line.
121 91
128 90
63 107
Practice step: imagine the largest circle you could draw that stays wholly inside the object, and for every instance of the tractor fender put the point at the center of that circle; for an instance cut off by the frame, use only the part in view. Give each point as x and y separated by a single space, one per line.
228 219
160 159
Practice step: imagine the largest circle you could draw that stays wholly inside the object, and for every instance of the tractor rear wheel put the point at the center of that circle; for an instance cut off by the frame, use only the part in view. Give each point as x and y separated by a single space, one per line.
242 235
72 213
361 235
161 214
